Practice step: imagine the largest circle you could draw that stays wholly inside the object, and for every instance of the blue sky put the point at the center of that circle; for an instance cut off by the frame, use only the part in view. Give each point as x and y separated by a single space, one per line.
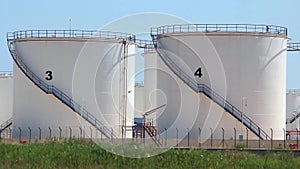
94 14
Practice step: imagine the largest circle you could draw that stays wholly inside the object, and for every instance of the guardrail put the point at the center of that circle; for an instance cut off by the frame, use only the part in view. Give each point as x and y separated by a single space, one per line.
6 74
292 91
237 28
293 46
26 34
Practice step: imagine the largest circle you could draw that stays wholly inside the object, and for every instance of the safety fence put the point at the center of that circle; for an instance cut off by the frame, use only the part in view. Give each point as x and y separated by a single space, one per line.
206 138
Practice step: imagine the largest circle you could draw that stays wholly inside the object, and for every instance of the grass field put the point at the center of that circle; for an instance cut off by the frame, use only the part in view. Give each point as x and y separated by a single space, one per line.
83 154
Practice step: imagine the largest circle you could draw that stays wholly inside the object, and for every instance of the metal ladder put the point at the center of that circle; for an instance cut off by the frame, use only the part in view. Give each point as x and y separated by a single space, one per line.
202 88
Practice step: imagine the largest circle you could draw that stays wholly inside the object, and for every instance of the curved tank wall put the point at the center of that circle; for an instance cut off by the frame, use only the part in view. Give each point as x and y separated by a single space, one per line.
292 109
248 69
185 111
6 96
88 70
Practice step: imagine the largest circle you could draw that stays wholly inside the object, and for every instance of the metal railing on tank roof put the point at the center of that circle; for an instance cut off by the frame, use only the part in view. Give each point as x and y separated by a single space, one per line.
26 34
231 28
293 46
6 74
145 44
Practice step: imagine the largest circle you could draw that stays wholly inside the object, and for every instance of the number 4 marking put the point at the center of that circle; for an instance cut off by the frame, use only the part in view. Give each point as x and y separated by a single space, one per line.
198 72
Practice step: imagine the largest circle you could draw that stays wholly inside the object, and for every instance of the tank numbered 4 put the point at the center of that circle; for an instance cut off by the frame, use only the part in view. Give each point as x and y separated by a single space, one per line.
49 75
198 72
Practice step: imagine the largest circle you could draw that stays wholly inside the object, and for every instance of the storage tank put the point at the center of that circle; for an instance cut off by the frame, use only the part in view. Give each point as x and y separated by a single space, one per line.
6 102
292 109
72 79
239 71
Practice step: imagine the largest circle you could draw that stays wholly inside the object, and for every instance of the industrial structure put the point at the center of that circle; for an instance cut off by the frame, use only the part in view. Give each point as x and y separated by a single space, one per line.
200 78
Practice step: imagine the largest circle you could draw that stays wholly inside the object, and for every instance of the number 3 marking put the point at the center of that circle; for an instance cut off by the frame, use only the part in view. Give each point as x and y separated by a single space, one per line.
49 75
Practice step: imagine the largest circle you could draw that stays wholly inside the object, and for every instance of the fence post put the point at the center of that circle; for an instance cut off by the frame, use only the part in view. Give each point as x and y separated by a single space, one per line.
234 132
271 138
40 133
50 132
297 137
80 129
259 138
70 129
101 133
199 142
284 137
177 137
20 133
91 133
166 137
211 137
59 132
247 137
188 134
111 135
29 135
223 138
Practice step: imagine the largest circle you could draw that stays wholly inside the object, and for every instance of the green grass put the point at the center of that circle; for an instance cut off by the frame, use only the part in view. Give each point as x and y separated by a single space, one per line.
83 154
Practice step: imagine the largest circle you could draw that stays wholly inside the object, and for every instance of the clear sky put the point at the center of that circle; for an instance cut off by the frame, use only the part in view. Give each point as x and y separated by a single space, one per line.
94 14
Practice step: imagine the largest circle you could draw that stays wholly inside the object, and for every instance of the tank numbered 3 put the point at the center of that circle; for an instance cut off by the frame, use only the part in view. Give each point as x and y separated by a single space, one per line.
49 75
198 72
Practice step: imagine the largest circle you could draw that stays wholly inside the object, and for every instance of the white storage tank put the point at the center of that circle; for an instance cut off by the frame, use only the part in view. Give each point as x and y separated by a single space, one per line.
292 109
241 67
78 71
6 102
